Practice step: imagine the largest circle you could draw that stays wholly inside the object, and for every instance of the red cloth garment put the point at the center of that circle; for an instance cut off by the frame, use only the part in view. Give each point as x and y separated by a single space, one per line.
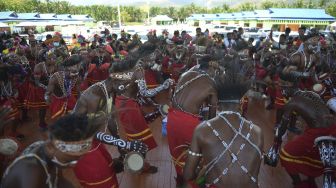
59 106
260 72
123 52
97 74
35 98
84 85
243 105
150 77
300 156
180 128
11 102
95 168
306 84
22 93
133 121
271 91
176 71
280 100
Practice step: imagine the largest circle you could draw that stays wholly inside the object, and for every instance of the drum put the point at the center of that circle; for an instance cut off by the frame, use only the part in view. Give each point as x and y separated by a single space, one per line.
134 162
8 146
319 89
332 104
326 146
200 49
164 109
323 76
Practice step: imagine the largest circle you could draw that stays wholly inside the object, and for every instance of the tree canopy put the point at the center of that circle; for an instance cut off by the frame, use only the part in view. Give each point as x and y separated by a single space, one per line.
139 14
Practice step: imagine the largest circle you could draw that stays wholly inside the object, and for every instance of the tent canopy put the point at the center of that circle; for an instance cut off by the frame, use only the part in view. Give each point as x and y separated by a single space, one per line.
162 18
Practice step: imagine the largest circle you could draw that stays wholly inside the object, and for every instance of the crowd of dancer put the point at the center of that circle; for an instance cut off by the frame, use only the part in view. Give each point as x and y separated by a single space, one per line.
86 93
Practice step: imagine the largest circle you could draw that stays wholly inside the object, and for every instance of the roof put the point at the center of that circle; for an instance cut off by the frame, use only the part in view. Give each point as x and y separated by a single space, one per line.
24 24
162 18
82 17
48 16
64 16
13 16
28 16
8 15
269 14
296 13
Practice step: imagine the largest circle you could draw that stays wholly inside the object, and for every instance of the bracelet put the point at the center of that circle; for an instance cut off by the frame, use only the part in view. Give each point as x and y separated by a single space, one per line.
195 154
46 97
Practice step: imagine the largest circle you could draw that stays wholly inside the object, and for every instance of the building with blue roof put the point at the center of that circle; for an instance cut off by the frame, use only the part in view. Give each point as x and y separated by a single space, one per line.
279 18
42 22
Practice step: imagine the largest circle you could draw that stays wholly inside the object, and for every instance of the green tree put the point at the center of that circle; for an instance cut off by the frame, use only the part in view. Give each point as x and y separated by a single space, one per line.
331 9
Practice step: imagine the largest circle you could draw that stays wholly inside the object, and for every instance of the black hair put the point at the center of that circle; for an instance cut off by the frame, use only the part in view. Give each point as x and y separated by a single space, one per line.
48 37
303 28
72 60
179 42
73 127
42 55
3 74
204 62
147 48
289 77
132 58
288 30
234 84
23 42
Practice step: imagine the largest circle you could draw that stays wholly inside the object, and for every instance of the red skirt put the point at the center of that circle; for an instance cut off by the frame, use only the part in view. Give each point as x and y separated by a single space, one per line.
15 113
22 93
98 74
176 70
95 168
300 156
260 72
150 77
60 106
280 100
133 121
84 85
180 128
35 98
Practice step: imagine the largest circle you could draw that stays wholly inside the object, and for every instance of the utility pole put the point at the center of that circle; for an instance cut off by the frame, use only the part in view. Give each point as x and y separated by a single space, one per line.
119 16
148 9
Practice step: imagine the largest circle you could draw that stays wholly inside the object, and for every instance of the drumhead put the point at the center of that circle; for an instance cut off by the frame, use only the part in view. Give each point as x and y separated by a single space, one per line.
332 104
8 146
324 138
134 162
319 89
164 109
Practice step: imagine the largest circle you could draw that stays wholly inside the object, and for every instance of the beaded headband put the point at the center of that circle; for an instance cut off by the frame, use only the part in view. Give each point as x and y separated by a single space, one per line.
73 147
122 76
